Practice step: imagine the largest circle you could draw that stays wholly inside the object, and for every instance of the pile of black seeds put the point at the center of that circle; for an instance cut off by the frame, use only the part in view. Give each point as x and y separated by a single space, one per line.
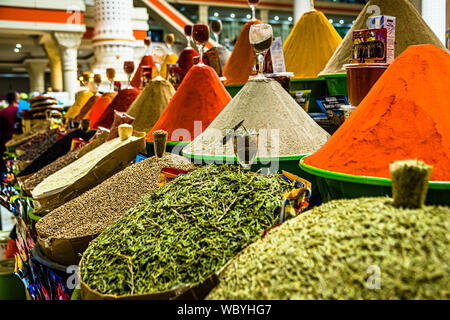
57 150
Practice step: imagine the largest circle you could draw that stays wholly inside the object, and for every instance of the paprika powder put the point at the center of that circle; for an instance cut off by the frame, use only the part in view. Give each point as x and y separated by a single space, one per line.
404 116
146 60
200 97
99 107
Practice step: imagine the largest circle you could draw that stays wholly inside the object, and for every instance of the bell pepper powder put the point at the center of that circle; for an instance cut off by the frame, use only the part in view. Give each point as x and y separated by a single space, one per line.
200 97
404 116
240 65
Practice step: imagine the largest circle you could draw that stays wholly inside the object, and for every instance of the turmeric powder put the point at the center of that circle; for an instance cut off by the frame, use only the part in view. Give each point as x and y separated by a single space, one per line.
240 65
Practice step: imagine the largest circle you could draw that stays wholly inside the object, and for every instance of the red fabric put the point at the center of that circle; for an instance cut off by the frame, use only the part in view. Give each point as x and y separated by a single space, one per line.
121 103
200 97
146 60
7 116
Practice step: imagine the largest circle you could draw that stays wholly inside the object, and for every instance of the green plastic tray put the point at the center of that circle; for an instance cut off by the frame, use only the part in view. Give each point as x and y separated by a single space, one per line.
333 185
233 90
336 84
287 163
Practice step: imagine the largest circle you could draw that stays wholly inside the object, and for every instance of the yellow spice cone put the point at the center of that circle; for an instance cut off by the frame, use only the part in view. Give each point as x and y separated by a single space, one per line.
81 99
170 59
310 45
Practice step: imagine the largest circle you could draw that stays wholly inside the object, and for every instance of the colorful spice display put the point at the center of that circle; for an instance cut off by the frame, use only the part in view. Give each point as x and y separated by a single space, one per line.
262 104
183 232
99 107
396 121
121 103
92 212
81 99
411 29
150 104
310 45
201 97
240 64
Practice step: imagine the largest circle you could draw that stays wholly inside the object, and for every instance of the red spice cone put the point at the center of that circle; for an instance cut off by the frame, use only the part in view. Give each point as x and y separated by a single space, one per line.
201 97
404 116
240 65
100 106
146 60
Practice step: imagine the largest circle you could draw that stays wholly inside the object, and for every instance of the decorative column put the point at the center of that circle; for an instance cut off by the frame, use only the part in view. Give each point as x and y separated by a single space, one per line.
203 17
36 72
54 56
113 39
264 15
434 13
300 7
68 45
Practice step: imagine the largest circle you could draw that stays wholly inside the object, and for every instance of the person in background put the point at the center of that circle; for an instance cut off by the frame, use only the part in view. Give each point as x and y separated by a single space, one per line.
7 120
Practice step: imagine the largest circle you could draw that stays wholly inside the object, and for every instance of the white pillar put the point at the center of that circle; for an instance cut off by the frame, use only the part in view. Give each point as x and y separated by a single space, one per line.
68 44
434 13
300 7
53 54
113 36
203 16
264 15
36 72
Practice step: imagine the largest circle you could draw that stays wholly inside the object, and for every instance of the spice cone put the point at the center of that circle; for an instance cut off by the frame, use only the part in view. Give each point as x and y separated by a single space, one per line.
186 60
310 45
99 107
200 98
262 104
147 60
87 107
121 103
397 120
410 183
159 142
150 104
240 65
411 29
81 99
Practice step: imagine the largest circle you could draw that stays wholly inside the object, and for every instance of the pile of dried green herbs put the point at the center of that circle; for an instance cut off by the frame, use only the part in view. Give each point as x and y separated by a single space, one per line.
184 232
347 249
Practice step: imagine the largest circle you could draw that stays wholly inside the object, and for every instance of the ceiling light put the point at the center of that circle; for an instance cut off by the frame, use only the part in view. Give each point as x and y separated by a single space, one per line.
18 45
16 50
277 18
331 20
249 16
216 14
341 21
233 15
290 19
